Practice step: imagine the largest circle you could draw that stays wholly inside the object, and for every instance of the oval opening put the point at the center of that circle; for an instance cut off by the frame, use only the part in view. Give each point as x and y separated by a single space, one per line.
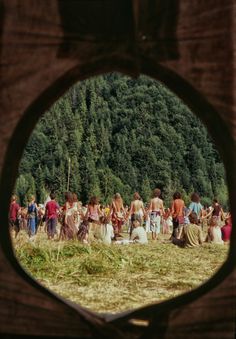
113 134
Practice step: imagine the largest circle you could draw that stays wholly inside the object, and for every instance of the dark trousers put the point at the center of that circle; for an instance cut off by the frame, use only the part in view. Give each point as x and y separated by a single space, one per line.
178 242
15 225
175 227
51 226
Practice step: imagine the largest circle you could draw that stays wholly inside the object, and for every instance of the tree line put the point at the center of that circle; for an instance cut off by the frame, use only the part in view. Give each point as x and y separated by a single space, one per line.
119 134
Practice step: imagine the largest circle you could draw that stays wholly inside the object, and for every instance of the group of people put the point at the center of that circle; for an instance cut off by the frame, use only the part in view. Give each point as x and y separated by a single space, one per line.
94 222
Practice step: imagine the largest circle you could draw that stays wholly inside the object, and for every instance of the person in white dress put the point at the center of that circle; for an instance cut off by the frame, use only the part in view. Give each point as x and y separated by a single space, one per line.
214 232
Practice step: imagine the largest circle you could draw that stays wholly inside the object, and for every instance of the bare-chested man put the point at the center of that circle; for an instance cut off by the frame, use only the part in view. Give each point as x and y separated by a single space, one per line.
117 214
156 210
137 210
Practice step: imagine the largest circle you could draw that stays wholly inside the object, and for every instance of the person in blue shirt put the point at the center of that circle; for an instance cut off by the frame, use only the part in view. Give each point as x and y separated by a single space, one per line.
195 206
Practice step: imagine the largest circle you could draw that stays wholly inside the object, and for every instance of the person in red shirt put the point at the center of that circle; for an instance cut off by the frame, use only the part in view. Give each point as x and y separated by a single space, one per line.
226 229
51 210
13 215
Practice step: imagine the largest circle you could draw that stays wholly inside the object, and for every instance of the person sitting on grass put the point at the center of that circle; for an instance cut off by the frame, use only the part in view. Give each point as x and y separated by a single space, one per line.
106 230
214 231
191 234
138 234
226 229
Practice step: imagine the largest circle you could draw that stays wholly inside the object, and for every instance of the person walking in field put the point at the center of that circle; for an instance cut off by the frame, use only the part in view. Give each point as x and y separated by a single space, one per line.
136 210
177 212
92 215
23 211
156 210
32 216
51 211
13 215
117 212
196 206
68 229
78 211
215 211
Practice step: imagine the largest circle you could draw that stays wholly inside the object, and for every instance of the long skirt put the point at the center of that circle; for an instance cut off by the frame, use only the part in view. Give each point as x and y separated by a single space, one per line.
32 226
68 228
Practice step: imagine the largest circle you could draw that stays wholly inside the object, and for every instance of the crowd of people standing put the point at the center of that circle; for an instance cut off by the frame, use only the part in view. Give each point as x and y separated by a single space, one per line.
94 222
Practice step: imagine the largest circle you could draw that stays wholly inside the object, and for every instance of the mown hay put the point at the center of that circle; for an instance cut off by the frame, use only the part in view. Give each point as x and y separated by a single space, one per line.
115 278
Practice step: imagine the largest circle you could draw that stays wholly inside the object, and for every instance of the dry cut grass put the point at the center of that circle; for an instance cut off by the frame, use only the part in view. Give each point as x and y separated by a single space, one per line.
117 277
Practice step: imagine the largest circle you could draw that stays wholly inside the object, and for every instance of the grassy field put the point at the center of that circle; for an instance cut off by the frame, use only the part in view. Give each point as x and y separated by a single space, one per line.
117 277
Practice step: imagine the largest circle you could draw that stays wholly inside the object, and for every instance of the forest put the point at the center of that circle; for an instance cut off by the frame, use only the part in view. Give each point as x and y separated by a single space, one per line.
113 134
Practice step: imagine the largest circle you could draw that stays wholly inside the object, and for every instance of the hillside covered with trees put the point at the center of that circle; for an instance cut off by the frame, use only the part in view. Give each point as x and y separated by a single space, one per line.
120 135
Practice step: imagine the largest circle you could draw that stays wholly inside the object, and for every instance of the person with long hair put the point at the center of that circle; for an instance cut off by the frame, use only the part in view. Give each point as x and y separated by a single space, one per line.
195 206
92 215
167 221
117 212
215 211
68 227
78 216
32 216
227 228
214 231
177 212
106 230
136 210
156 210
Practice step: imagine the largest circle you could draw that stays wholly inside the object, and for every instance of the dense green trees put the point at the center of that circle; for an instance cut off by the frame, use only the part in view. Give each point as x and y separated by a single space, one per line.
120 135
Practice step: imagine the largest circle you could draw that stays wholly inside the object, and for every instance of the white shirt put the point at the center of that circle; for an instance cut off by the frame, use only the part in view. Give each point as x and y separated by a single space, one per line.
139 235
